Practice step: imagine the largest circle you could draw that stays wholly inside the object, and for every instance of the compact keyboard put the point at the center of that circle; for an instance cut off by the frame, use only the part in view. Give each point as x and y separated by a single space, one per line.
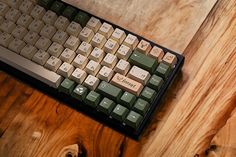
94 66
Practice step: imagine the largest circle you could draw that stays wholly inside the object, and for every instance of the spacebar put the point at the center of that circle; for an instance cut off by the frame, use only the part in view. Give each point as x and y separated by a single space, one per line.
27 66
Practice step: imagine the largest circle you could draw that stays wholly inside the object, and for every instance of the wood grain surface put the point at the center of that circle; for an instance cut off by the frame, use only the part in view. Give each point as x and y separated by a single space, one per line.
196 117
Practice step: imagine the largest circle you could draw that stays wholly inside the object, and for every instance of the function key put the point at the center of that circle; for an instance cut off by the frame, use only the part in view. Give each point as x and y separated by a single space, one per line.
69 12
163 70
82 18
144 46
156 53
45 3
170 59
133 119
57 7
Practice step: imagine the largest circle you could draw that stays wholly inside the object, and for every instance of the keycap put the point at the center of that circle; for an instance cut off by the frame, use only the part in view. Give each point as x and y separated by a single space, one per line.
118 35
127 99
57 7
82 18
163 70
119 113
143 61
91 82
69 12
86 34
5 39
72 43
38 72
123 52
48 31
45 3
62 23
78 75
74 28
67 86
84 49
28 51
38 12
122 67
169 59
139 75
49 17
94 24
110 60
144 46
80 61
127 84
36 26
53 63
148 94
106 106
106 30
156 53
131 41
105 74
98 40
111 46
55 49
109 90
155 82
60 37
92 99
141 106
97 55
80 92
43 43
26 7
3 8
40 57
92 67
17 45
14 3
65 70
7 26
133 119
24 20
67 55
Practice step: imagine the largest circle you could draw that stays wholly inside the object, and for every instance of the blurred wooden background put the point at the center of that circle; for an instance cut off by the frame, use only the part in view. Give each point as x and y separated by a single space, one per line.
198 113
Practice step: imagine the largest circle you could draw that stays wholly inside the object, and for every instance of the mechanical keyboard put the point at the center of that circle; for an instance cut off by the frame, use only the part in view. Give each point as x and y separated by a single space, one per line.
94 66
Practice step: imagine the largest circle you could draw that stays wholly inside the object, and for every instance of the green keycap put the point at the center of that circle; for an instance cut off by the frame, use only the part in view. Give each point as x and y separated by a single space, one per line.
106 106
67 86
143 61
82 18
69 12
57 7
148 94
79 92
92 99
141 106
155 82
119 113
163 70
133 119
45 3
127 99
109 90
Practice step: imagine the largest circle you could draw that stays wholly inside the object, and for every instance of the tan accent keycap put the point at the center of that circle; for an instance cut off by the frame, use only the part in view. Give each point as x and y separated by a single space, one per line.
170 59
127 84
156 53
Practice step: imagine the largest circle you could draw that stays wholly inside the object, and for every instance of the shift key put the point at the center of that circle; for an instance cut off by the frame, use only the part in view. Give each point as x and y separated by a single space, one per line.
127 84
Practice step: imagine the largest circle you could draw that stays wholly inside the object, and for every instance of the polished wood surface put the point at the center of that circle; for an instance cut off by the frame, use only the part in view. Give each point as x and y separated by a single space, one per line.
197 116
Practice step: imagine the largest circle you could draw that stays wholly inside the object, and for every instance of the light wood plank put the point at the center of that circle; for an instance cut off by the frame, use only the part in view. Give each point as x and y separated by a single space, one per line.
171 23
207 94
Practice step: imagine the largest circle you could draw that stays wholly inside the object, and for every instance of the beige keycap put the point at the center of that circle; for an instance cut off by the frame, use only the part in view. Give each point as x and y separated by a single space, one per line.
49 17
94 24
62 23
127 84
131 41
97 55
38 12
17 45
14 3
3 9
84 49
80 61
98 40
106 30
65 70
67 55
92 67
78 76
156 53
60 37
91 82
144 46
72 43
110 60
28 51
7 26
40 57
105 74
55 49
43 43
122 67
86 34
26 7
123 52
48 31
36 26
111 46
5 39
118 35
24 20
170 59
13 15
138 74
31 38
74 29
53 63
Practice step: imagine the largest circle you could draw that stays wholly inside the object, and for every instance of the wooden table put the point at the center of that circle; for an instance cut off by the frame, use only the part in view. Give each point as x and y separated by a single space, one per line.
198 116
